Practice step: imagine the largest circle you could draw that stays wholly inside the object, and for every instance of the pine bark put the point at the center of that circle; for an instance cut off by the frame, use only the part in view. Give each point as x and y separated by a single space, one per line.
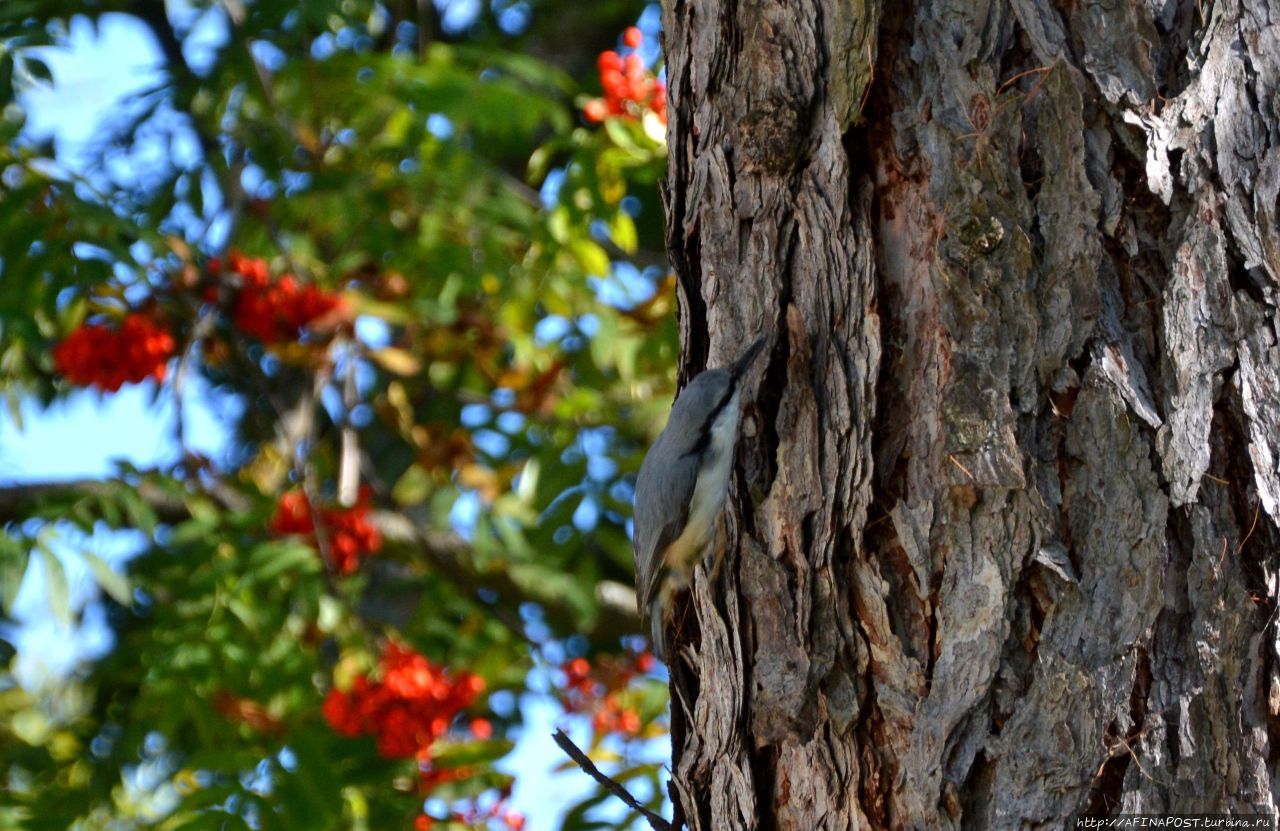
1002 541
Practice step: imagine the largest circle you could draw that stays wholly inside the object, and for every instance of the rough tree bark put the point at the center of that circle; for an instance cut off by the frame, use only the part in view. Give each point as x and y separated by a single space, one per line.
1002 544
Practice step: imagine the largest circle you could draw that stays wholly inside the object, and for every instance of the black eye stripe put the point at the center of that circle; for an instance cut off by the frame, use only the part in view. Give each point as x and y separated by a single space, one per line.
704 432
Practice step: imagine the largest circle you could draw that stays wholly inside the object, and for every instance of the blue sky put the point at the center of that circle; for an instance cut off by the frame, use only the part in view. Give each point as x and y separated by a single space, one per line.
87 433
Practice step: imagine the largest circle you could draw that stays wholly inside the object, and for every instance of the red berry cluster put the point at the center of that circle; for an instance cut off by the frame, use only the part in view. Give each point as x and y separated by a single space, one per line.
273 310
412 703
97 355
351 536
598 690
629 87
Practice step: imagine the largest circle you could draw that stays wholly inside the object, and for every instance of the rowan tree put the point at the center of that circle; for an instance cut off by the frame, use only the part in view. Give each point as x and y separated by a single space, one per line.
433 287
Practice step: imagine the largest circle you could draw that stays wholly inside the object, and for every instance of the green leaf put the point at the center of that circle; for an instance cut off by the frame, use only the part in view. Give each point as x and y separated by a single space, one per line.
542 582
623 232
6 78
413 486
14 558
110 581
389 312
38 69
138 512
462 754
247 614
55 577
397 361
193 530
271 559
13 403
591 256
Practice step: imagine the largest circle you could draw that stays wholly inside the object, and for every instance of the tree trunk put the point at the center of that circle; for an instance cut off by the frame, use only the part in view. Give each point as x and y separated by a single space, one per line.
1002 544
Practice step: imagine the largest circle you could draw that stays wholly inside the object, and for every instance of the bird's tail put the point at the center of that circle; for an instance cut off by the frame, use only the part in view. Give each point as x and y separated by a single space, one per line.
658 636
660 613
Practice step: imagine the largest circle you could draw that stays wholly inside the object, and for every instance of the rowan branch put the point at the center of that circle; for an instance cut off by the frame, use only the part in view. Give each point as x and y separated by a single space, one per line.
452 556
447 553
24 501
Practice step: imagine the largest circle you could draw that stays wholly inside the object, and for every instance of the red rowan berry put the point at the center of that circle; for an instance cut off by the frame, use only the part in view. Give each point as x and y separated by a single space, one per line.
95 355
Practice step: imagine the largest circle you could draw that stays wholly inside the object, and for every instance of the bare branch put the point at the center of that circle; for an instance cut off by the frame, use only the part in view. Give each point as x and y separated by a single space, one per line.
581 759
20 502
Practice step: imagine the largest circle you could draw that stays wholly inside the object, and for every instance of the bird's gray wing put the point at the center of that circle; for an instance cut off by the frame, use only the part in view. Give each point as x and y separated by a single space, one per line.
668 534
661 511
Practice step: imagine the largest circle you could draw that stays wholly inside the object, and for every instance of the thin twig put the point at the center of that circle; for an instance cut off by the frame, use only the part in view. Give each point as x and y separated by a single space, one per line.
1024 74
656 822
426 26
203 328
310 403
956 462
871 79
349 455
1252 528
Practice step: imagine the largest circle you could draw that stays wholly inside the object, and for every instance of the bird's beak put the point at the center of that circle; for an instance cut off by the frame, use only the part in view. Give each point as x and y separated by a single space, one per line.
740 366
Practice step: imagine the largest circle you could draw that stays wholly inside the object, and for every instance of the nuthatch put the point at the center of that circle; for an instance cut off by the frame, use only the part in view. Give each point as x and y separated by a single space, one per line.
682 487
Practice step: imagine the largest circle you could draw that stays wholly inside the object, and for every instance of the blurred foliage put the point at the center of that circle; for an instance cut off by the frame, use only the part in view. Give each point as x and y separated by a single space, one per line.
503 359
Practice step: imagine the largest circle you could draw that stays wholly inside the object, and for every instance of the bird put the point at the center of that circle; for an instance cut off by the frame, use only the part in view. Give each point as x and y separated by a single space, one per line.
681 489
